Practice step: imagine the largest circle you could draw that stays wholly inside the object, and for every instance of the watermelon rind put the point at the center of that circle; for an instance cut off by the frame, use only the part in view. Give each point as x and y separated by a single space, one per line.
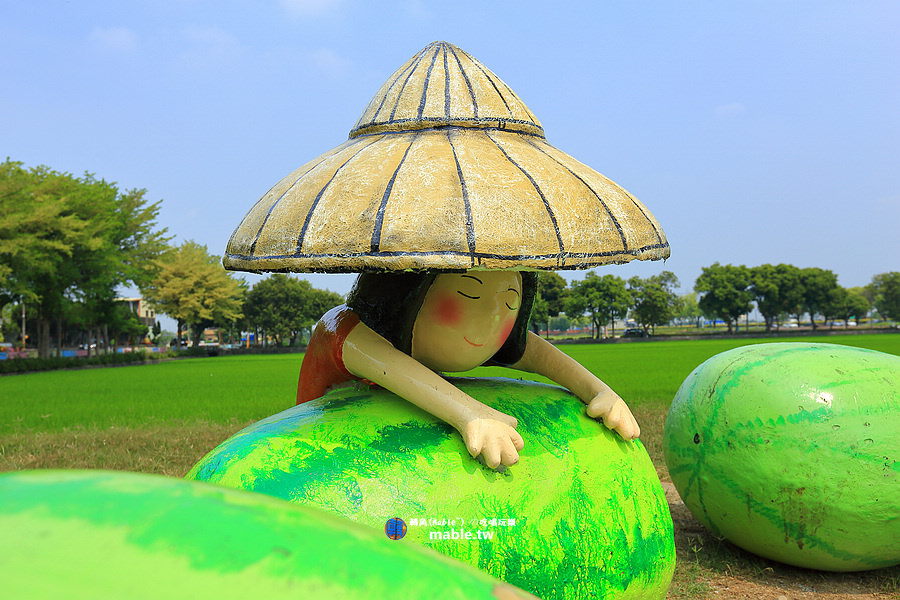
98 534
792 452
582 514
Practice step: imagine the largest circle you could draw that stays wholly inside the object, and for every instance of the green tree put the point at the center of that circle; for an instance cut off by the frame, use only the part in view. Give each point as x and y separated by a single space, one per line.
39 231
552 293
836 306
64 238
604 299
125 327
845 304
725 292
284 307
857 306
886 292
819 285
320 303
868 292
777 290
687 310
192 287
554 290
654 301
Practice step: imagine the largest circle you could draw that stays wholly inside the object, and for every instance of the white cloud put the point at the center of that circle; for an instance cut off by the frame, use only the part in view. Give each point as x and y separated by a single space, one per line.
121 39
309 7
731 110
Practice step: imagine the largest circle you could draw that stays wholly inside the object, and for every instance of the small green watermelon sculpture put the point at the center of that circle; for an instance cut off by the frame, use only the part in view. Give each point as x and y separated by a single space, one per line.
792 452
94 534
582 515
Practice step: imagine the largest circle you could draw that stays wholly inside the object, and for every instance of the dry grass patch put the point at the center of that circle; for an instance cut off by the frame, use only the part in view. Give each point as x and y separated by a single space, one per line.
163 449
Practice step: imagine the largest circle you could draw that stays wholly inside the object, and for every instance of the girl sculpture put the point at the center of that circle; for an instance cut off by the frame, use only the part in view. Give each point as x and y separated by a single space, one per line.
446 197
400 330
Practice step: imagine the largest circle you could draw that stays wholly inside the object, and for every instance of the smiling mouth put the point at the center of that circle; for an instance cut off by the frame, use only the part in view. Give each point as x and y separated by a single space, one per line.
473 343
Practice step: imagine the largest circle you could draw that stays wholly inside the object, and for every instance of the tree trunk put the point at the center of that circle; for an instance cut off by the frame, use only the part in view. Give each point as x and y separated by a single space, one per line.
195 338
43 337
59 335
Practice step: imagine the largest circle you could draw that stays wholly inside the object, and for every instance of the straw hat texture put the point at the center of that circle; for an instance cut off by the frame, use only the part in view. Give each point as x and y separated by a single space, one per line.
446 169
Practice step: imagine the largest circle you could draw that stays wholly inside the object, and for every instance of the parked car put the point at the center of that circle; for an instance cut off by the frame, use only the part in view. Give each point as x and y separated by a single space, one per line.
635 332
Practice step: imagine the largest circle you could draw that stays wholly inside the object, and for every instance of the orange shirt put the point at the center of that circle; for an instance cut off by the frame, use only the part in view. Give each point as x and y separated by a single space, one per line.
323 365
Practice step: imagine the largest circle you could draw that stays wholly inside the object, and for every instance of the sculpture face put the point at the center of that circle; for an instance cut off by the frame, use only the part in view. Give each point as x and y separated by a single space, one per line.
465 318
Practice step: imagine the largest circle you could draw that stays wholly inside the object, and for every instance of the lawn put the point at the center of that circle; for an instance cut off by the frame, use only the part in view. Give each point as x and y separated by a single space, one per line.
216 390
162 418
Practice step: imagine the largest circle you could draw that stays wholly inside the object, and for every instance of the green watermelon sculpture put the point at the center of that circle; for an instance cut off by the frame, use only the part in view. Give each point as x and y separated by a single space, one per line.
582 515
792 451
95 534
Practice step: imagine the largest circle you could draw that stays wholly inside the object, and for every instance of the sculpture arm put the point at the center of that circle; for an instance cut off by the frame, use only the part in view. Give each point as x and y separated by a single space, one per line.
602 402
485 431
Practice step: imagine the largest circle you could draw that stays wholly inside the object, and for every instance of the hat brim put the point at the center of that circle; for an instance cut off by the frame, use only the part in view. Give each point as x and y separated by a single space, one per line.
449 198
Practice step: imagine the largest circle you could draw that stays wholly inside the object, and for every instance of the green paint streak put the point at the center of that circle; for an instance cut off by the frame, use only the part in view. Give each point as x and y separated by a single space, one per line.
411 437
794 531
344 465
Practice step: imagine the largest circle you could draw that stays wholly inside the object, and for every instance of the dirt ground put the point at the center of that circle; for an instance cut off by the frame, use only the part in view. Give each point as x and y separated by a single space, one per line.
764 580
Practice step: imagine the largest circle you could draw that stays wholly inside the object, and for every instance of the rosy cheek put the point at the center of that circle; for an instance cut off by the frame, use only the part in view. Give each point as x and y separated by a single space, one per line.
448 311
505 331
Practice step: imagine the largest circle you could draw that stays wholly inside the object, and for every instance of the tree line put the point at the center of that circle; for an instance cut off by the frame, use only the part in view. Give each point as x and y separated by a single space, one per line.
68 244
722 292
605 299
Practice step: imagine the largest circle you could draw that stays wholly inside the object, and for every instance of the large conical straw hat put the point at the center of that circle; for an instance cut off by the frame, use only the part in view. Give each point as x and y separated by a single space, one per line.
446 169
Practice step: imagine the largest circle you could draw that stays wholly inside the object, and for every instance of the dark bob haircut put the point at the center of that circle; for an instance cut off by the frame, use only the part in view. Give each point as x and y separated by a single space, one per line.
389 303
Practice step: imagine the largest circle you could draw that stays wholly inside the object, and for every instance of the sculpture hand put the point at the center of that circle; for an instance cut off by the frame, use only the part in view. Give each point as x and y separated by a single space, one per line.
495 440
615 414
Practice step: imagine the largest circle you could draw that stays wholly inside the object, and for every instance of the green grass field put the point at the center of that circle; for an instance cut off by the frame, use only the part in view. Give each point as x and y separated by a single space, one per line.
216 389
231 389
164 417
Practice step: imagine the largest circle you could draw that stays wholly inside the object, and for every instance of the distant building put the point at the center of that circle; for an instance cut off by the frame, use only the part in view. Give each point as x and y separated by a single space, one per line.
145 314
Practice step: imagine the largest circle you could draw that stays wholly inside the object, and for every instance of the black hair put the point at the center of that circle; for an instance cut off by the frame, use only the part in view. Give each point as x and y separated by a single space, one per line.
389 302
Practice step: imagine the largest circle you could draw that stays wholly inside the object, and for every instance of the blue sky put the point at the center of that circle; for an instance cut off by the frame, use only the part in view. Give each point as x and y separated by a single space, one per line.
756 132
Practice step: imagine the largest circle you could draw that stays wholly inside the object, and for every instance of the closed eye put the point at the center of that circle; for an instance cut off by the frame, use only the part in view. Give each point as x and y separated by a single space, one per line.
467 295
514 290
